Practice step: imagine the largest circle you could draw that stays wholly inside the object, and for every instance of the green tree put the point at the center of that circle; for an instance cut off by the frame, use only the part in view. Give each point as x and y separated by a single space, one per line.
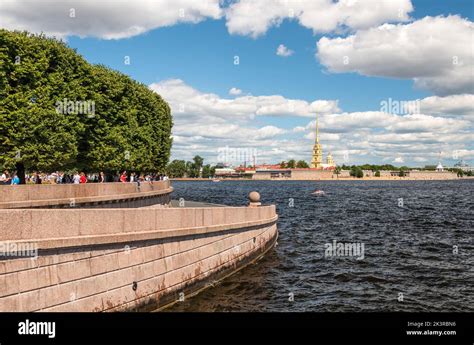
41 80
194 169
302 164
283 165
291 164
176 169
377 173
208 171
356 172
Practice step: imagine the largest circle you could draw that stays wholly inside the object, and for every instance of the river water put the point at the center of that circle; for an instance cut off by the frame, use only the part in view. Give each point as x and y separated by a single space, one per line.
417 237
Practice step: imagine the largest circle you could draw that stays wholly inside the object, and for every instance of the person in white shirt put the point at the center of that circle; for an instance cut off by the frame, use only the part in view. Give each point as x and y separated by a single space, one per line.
77 178
5 178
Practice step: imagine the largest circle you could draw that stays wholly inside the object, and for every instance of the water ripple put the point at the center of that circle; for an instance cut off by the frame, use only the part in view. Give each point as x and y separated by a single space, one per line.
422 251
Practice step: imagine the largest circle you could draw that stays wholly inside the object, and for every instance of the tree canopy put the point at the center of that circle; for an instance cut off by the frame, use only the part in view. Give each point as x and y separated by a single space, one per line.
44 86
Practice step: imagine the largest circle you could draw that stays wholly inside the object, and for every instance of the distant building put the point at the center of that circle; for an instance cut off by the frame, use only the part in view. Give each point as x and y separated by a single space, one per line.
224 171
330 160
439 167
317 156
463 166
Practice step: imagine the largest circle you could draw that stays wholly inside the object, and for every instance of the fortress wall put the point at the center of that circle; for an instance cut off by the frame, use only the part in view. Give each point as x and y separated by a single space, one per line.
311 174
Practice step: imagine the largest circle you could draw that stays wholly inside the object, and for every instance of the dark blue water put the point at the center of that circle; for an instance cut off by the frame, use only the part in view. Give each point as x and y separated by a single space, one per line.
410 261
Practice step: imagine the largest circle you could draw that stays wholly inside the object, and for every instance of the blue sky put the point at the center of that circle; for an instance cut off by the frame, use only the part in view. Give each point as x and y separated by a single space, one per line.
189 59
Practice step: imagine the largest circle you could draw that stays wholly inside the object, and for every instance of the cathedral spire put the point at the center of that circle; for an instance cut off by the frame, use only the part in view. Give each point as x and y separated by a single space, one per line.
317 157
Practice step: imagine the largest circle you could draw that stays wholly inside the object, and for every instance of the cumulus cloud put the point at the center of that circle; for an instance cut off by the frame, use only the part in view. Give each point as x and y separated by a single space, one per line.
205 122
416 123
434 51
109 19
374 136
377 120
449 105
235 91
254 18
268 132
185 100
104 19
282 50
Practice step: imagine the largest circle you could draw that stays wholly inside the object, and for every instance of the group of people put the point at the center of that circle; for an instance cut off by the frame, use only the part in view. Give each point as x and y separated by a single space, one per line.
79 177
5 178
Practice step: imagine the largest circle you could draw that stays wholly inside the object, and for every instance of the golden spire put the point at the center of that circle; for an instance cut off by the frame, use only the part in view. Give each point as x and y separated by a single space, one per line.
317 157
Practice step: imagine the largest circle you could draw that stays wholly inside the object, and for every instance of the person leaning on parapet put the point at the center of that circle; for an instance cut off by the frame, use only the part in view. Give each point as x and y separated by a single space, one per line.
53 177
123 177
76 178
15 179
36 178
5 178
83 178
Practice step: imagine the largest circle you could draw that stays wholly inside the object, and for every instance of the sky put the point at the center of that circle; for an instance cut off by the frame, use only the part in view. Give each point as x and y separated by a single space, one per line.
392 81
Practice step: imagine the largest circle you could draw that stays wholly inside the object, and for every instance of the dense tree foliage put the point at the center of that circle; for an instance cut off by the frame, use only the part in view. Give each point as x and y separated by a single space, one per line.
180 168
128 128
208 171
356 172
302 164
372 167
176 169
194 168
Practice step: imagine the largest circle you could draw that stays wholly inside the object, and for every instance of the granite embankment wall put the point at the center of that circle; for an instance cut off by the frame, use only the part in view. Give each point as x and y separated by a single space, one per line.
124 259
91 195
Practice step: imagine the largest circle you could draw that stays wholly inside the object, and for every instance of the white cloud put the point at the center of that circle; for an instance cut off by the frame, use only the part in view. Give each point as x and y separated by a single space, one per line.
254 18
109 19
299 129
449 105
235 91
323 136
104 19
373 120
185 100
416 123
282 50
208 122
399 159
434 51
268 132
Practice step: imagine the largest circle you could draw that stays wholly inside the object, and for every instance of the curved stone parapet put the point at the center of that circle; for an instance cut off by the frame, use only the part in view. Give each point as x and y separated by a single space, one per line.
85 195
124 259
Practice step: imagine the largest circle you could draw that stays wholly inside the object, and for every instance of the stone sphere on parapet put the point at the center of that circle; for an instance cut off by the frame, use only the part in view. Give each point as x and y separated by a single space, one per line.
254 196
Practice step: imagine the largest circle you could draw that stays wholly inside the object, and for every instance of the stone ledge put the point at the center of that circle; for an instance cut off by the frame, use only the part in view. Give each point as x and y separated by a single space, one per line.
140 236
59 194
82 200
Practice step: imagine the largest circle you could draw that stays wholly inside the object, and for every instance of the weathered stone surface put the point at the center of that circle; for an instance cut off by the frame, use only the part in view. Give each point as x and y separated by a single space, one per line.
90 258
23 196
